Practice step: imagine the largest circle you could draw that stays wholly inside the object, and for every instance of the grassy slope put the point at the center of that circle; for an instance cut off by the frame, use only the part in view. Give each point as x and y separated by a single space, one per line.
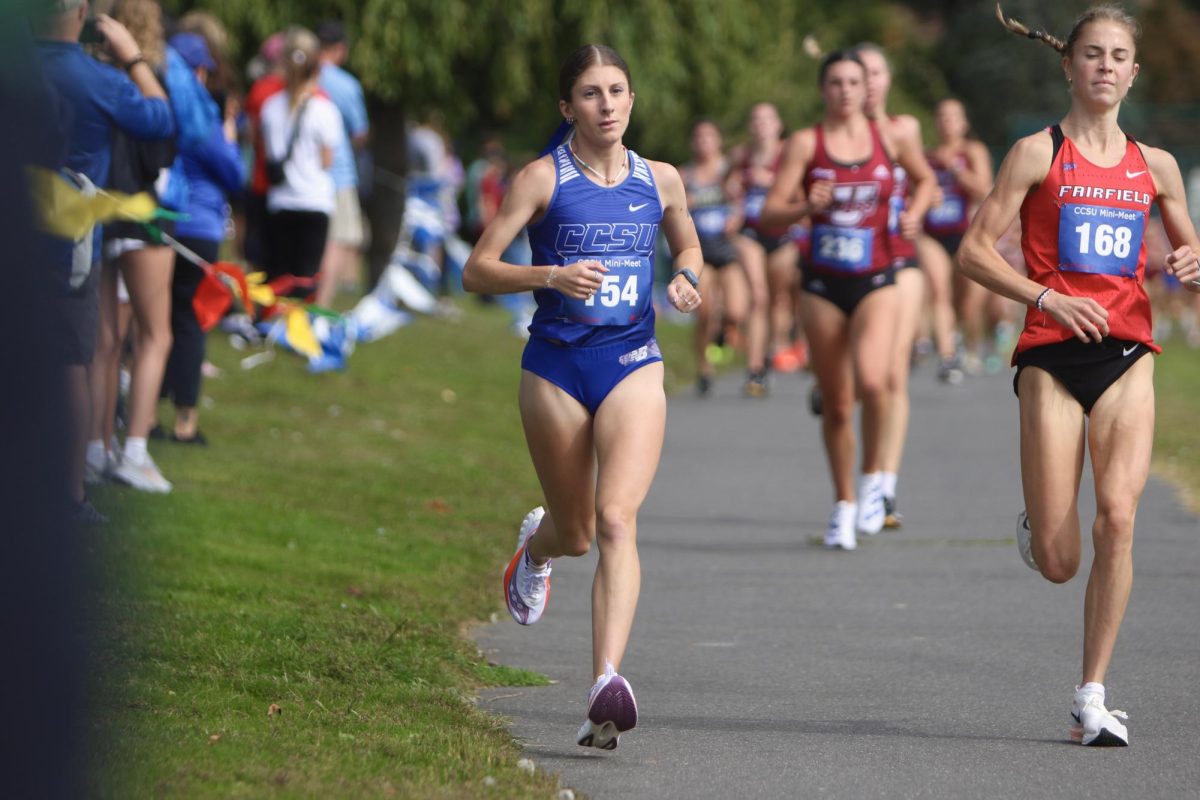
1177 425
323 555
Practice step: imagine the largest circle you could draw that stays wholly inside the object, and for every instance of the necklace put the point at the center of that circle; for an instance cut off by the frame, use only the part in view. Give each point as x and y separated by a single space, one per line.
607 180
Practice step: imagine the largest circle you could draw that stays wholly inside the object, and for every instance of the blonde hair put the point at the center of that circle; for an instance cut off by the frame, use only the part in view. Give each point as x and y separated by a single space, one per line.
1102 13
143 19
300 60
209 28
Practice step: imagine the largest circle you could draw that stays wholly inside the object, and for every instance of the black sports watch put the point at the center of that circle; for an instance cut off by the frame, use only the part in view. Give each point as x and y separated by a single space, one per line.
689 276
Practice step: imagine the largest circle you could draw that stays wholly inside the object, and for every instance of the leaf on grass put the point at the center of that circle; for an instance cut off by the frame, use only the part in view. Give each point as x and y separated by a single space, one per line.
355 591
438 506
275 710
216 737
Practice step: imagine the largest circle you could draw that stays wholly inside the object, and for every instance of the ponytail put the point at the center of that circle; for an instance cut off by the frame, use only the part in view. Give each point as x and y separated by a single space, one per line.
560 135
1100 13
1017 27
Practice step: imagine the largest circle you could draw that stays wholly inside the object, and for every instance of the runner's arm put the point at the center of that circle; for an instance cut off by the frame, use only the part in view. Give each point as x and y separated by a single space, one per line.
681 235
787 202
978 259
1172 203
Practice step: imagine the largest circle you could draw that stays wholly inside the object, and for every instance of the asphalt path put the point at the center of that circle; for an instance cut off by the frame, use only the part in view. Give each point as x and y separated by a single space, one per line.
931 662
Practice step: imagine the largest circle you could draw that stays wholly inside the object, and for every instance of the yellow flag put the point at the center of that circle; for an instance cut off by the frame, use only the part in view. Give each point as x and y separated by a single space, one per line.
65 211
300 333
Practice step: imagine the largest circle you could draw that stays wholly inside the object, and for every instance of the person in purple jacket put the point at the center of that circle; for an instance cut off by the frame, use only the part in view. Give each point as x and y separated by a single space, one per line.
214 171
99 99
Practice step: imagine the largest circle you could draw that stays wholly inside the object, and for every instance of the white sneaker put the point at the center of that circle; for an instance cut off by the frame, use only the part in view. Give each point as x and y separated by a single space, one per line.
1025 541
612 710
1094 725
840 533
526 587
871 513
143 475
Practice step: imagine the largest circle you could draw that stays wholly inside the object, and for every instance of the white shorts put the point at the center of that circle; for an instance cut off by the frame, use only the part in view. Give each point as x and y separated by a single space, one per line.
346 223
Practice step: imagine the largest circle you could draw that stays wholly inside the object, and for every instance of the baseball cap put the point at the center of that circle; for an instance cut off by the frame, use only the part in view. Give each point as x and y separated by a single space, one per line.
192 48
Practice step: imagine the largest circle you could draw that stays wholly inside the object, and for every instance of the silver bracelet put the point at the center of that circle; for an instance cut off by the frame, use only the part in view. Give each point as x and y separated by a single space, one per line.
550 277
1042 298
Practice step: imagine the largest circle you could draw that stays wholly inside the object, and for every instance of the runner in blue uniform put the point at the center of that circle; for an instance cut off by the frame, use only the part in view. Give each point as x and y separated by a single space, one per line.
591 395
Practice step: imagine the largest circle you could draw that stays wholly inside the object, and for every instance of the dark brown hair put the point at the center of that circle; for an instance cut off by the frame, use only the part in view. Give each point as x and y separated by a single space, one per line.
1103 13
589 55
836 57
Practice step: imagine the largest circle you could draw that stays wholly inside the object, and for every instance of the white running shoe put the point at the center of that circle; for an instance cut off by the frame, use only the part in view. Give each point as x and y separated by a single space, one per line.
526 587
612 710
840 533
1094 725
871 513
143 475
1025 541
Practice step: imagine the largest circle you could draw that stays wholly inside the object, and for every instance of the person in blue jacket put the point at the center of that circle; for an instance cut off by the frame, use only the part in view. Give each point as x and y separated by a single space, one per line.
98 99
214 171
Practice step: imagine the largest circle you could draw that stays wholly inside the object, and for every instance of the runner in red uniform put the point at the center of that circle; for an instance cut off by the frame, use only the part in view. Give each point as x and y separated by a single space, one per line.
839 173
1084 190
964 173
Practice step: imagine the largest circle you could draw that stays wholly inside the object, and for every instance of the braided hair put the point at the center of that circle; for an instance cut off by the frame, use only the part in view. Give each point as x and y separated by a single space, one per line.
1107 13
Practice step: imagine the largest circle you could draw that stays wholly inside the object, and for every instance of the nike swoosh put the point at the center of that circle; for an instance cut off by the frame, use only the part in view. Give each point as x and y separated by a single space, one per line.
1132 175
1126 352
633 208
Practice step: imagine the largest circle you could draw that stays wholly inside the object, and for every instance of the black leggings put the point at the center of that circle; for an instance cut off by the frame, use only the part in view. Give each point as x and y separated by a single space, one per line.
297 243
181 381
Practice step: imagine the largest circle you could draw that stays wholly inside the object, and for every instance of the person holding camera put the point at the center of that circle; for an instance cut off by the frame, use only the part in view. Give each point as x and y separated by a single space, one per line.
301 128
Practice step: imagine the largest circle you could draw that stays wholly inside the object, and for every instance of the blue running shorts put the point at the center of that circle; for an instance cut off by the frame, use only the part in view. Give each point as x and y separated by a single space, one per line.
587 373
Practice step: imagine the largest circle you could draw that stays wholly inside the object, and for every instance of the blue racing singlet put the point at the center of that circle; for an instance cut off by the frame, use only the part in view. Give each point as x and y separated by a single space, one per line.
617 226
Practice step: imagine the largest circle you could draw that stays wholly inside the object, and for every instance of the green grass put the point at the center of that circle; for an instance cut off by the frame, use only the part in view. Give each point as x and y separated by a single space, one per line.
324 556
1177 424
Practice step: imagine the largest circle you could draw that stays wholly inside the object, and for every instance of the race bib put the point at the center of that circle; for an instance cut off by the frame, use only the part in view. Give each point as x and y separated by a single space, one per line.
711 221
623 297
950 212
843 249
756 198
1100 240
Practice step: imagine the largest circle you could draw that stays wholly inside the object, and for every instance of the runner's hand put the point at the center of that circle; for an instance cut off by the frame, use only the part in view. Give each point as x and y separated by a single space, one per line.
580 280
910 224
1183 264
1086 318
820 196
682 295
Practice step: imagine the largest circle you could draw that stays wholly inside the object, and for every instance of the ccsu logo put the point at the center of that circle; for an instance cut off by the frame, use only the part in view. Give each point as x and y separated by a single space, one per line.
597 238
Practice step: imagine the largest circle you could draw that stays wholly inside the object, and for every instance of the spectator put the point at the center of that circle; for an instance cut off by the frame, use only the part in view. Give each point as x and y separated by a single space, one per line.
101 99
214 170
136 255
343 251
301 130
271 82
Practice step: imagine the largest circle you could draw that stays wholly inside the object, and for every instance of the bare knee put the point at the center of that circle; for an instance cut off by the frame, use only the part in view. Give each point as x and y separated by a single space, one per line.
616 526
1112 533
873 388
837 412
1057 567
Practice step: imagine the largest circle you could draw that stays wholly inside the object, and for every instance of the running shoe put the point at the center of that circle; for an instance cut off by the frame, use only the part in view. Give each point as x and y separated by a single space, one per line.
785 361
840 533
703 386
814 400
892 519
1025 541
756 384
1093 725
142 475
871 512
950 371
84 513
612 710
526 587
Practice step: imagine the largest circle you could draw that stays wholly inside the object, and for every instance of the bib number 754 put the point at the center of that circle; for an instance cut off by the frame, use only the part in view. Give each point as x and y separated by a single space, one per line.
612 293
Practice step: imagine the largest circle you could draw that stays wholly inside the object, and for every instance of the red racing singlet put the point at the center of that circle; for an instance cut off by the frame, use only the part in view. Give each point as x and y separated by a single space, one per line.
903 250
1082 234
851 236
952 216
756 194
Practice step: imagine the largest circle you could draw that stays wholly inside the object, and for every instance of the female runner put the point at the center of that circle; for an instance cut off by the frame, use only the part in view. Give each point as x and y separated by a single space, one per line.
1083 189
742 285
910 285
963 168
591 394
755 165
839 172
